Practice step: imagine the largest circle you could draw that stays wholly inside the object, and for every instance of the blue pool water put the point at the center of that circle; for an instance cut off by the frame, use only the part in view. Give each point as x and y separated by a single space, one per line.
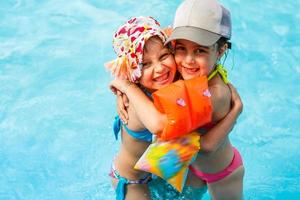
56 138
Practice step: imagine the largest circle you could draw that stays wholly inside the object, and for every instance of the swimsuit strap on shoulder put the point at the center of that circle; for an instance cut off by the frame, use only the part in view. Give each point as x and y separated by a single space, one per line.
222 71
144 135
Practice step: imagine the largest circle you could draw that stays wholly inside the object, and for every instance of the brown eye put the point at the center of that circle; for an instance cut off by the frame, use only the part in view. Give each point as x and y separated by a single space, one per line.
200 51
179 48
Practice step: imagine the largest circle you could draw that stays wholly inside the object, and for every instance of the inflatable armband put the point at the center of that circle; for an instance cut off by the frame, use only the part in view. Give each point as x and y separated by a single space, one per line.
170 159
187 105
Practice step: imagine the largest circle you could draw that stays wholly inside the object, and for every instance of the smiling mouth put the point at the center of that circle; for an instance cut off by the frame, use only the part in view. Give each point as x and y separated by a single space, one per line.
191 70
162 79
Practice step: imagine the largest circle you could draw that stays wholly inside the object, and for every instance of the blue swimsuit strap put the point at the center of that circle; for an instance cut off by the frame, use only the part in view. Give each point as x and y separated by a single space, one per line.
144 135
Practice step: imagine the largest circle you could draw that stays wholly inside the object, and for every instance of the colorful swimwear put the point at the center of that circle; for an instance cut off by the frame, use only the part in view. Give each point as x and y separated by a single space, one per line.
222 71
121 186
144 135
210 178
170 159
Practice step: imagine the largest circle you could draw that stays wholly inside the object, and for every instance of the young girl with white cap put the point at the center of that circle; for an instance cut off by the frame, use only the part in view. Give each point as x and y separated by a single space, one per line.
201 30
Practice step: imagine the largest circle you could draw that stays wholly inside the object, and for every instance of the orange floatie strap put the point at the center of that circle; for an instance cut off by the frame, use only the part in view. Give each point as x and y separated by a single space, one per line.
187 105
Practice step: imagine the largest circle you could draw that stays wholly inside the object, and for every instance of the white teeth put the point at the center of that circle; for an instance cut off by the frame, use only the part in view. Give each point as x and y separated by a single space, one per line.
191 70
162 78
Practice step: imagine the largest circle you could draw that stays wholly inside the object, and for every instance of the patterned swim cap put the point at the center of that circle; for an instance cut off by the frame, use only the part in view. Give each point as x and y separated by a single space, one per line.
128 43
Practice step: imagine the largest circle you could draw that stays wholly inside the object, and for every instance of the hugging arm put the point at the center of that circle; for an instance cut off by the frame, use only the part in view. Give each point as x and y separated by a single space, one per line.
144 108
122 105
155 121
214 138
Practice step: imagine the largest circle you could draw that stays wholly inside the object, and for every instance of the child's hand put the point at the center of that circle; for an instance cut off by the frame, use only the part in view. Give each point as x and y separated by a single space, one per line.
119 85
236 101
122 104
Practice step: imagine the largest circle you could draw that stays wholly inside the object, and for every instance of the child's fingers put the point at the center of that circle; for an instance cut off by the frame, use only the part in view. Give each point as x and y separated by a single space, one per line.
115 85
235 98
234 93
125 100
124 110
113 89
121 109
232 88
121 115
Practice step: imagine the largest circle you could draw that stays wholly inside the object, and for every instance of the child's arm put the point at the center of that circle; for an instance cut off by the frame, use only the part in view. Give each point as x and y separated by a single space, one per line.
155 121
144 108
220 99
122 105
213 139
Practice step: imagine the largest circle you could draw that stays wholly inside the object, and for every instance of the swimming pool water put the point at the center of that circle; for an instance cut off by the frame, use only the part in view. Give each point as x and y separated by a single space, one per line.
56 111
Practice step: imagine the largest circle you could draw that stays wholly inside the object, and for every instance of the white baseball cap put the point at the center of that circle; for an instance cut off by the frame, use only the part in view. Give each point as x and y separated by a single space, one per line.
201 21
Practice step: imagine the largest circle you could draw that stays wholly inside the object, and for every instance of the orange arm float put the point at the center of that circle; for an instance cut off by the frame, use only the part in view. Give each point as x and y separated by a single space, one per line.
187 105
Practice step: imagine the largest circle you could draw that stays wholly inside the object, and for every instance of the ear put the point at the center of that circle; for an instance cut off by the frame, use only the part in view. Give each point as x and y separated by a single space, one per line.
222 50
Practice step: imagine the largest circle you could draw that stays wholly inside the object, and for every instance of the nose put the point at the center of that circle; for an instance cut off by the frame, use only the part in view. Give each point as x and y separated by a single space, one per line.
189 59
159 67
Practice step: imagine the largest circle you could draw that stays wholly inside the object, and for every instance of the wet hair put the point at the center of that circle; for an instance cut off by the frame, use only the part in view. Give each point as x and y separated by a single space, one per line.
171 48
222 41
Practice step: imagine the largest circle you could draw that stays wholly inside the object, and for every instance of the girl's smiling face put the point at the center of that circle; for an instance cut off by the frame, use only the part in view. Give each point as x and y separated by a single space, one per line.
194 60
159 66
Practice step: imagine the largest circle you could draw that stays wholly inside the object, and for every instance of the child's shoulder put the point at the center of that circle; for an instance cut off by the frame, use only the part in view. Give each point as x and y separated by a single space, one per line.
221 98
220 91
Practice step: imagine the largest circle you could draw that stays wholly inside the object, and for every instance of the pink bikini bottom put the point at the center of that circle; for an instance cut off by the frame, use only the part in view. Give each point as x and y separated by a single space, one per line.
210 178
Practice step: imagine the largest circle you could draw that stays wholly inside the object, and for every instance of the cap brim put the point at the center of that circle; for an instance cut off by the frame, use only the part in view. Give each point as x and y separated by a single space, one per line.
197 35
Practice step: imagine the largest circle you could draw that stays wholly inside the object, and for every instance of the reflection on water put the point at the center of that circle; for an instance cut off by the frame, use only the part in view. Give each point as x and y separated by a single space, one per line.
56 112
